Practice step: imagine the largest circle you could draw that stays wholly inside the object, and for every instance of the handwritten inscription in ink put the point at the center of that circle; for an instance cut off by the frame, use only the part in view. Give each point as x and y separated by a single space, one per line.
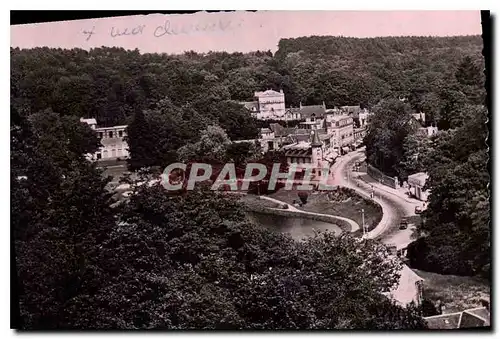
167 28
89 33
171 29
115 32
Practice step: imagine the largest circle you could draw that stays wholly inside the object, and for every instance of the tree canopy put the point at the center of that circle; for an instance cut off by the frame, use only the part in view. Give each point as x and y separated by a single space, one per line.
189 260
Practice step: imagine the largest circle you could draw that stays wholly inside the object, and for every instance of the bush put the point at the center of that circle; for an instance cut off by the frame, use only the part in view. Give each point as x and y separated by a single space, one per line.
303 197
428 308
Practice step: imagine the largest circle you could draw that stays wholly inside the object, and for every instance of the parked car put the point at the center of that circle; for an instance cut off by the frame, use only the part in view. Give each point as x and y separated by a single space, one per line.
418 209
403 224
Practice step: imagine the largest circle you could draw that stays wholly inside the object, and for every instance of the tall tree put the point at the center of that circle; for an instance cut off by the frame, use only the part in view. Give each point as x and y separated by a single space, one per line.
387 131
141 142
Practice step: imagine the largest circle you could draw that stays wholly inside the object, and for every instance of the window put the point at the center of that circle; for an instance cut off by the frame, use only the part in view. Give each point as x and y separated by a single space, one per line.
120 134
110 134
99 156
100 135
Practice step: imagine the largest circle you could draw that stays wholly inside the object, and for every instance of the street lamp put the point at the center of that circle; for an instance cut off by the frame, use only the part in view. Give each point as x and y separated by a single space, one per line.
363 221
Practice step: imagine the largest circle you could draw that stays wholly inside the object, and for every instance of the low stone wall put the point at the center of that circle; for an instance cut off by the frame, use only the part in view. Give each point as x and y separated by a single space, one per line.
342 224
381 177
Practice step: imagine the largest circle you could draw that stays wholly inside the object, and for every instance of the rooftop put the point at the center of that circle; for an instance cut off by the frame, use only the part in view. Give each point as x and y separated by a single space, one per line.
339 117
111 127
476 317
90 121
268 93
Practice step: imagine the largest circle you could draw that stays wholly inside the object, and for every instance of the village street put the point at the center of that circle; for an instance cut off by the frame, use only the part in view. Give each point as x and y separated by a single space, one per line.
394 204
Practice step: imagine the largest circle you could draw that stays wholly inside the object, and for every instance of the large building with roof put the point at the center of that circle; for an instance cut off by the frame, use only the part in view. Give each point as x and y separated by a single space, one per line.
112 140
471 318
267 105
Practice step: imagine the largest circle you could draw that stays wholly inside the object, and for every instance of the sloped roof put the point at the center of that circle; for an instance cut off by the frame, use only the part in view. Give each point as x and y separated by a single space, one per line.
480 312
475 317
276 127
351 109
444 321
269 93
308 111
265 130
90 121
419 178
301 137
404 293
315 140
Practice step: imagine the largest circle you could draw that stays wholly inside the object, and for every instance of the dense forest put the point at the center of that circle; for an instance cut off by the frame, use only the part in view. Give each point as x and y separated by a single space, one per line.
172 261
191 261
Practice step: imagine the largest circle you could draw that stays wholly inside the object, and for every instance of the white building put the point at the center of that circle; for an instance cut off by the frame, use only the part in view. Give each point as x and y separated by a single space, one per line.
341 127
416 184
112 140
269 105
409 288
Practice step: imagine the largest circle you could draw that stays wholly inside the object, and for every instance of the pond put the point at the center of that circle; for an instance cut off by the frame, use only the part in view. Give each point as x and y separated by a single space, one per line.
298 228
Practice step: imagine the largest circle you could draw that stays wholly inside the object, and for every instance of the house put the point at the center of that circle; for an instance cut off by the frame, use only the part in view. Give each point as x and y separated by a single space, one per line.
420 117
363 117
112 140
308 154
341 127
416 184
312 112
471 318
409 288
428 131
268 105
91 122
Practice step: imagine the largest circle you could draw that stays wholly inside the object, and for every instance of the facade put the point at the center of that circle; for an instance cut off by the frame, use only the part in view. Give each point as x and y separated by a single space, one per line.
409 288
268 105
416 184
112 140
308 154
428 131
363 118
267 140
341 127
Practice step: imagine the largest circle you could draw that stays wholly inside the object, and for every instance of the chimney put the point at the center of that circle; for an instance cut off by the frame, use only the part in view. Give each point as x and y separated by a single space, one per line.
300 104
324 106
281 91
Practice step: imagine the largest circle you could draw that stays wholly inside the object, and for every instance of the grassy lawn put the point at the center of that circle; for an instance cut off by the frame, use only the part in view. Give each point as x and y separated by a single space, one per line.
340 203
456 292
253 201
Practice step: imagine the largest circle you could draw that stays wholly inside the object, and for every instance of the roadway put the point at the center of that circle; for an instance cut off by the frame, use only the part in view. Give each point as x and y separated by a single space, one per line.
394 204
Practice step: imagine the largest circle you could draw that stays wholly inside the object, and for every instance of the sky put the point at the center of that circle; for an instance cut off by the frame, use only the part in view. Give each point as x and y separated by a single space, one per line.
238 31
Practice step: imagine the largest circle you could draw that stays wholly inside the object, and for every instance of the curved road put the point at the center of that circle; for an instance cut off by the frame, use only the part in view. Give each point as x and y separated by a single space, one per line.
394 206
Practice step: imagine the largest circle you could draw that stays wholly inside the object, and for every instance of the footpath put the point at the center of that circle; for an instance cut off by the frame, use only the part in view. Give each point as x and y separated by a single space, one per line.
400 193
354 225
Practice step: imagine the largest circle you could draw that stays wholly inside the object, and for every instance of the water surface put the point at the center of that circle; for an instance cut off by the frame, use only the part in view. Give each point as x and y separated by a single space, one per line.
298 228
